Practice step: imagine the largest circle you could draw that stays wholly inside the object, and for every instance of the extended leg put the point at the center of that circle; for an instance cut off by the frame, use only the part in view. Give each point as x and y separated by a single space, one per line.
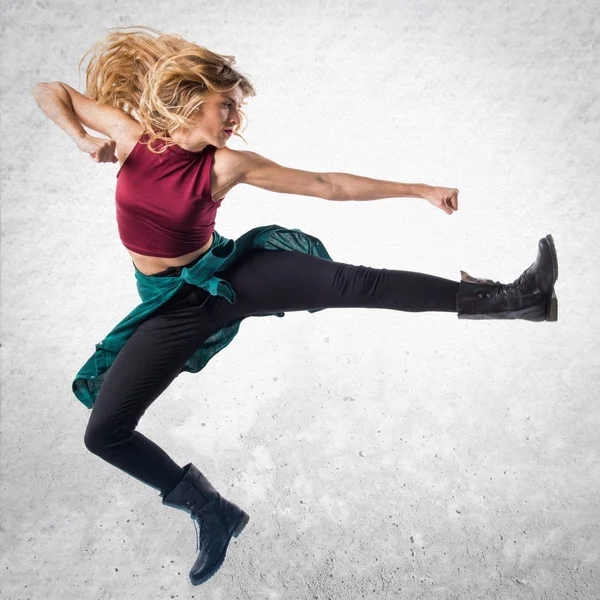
268 281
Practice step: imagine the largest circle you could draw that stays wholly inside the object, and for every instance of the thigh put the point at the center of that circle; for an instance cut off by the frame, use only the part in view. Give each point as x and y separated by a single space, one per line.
152 357
268 281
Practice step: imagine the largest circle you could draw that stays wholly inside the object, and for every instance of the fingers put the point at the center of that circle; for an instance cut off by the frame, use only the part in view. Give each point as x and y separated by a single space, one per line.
450 203
105 158
104 151
452 200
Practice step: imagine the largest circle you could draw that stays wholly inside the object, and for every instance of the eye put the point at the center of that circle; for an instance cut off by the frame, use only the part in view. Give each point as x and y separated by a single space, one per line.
227 104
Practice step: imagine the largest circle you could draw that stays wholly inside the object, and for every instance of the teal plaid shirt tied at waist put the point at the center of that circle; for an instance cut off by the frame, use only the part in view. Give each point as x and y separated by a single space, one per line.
155 291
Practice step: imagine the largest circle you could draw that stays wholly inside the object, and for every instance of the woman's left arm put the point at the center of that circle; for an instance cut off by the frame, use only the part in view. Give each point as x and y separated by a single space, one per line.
345 186
248 167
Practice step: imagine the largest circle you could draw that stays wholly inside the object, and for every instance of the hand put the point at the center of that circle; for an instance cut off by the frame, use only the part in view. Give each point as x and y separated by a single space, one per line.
444 198
100 149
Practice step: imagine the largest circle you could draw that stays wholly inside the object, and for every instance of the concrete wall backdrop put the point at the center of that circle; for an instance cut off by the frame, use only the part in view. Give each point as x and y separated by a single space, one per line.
379 454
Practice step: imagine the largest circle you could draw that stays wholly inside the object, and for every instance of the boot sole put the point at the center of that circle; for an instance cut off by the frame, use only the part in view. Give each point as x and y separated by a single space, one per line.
552 307
243 521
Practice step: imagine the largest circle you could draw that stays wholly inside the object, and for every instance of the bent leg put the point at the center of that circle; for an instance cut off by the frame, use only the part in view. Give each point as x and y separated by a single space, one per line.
268 281
147 364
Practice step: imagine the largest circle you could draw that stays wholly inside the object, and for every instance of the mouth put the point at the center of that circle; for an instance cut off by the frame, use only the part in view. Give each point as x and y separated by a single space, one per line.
229 131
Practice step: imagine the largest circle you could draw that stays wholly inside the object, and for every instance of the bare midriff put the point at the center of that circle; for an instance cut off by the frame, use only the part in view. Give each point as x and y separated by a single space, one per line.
150 265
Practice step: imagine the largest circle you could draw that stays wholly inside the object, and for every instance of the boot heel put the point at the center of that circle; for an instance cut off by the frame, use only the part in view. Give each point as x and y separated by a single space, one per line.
552 313
241 524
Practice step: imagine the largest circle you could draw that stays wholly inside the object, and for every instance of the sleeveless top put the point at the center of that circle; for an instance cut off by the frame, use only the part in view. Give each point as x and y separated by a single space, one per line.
163 201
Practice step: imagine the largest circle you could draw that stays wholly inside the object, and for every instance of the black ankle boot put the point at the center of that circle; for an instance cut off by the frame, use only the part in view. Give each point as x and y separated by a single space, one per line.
218 518
530 297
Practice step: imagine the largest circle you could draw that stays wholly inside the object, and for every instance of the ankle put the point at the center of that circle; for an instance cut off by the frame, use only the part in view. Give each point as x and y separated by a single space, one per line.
177 479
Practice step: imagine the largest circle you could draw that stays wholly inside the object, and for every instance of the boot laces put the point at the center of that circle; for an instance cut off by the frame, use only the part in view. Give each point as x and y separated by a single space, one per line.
201 531
516 288
198 527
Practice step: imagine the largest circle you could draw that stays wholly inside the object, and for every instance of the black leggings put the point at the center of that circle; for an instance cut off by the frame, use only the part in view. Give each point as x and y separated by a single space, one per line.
265 281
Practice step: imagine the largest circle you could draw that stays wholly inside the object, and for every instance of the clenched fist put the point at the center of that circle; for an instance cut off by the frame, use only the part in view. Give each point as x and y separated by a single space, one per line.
442 197
100 149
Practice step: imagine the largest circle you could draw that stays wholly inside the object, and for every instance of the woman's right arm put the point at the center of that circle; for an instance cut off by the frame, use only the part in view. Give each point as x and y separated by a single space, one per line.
56 102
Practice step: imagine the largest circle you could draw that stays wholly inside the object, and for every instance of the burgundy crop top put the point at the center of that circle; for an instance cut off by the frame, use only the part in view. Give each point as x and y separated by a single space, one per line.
163 201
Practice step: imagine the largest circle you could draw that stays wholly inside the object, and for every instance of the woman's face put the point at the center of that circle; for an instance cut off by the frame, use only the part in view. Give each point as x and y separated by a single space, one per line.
218 114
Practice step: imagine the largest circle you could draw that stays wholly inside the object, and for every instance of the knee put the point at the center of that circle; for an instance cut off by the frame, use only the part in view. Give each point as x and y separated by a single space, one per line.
99 436
94 439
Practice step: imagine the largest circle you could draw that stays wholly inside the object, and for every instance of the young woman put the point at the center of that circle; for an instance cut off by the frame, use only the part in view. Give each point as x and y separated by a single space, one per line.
196 286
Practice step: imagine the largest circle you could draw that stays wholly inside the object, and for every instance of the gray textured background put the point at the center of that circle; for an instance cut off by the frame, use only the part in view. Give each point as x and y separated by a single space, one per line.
379 454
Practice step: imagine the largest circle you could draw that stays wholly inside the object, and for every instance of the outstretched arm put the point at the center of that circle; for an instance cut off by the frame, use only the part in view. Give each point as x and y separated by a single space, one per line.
256 170
353 187
346 186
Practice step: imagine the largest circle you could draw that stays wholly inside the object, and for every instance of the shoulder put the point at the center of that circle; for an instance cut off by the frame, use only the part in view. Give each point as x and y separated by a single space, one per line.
127 140
229 164
228 170
235 165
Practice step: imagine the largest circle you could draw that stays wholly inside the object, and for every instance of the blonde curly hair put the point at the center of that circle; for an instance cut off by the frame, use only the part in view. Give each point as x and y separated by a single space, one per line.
160 81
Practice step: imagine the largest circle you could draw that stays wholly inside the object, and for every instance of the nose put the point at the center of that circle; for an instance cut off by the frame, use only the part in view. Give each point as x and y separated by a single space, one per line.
234 121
